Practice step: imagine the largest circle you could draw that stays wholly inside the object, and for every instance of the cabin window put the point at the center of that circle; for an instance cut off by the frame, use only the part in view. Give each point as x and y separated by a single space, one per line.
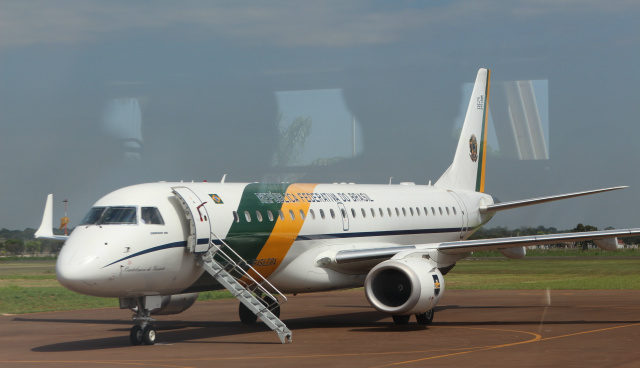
93 216
322 213
381 212
364 213
404 212
389 211
418 210
247 216
433 211
440 209
119 215
426 211
411 210
259 216
373 212
454 210
151 216
292 215
313 214
397 212
343 212
447 208
281 215
353 212
333 214
302 214
270 215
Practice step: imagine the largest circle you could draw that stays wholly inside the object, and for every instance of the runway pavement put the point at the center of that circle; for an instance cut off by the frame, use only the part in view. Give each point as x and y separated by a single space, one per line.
591 328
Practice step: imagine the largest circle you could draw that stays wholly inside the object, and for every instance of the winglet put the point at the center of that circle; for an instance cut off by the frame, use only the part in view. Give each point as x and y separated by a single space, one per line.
45 231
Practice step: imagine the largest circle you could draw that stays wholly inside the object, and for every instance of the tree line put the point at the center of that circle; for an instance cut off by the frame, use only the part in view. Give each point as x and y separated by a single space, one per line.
503 232
22 242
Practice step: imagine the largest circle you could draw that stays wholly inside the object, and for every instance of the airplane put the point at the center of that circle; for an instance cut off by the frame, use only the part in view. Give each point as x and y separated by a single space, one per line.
155 246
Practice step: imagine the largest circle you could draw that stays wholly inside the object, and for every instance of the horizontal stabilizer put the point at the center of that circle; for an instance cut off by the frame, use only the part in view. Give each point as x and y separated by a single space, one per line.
528 202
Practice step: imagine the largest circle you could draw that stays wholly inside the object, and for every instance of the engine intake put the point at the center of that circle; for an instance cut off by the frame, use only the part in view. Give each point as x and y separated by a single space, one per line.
404 286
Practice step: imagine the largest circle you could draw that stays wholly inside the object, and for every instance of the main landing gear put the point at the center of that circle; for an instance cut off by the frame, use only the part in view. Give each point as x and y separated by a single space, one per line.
424 319
143 332
248 318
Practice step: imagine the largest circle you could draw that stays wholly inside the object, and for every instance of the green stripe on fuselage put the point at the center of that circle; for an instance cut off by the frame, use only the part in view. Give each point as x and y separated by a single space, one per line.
248 238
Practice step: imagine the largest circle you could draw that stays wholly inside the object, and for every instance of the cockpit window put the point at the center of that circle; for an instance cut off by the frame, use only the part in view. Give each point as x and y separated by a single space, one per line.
93 216
119 215
151 215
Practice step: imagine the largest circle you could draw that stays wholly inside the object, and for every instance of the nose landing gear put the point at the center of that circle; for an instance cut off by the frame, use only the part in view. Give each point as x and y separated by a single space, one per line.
143 332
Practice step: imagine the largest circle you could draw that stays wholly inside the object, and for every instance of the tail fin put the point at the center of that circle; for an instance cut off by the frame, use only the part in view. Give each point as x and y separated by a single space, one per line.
468 167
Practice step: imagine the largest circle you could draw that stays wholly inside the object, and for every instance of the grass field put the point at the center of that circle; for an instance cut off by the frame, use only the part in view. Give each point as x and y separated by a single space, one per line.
27 287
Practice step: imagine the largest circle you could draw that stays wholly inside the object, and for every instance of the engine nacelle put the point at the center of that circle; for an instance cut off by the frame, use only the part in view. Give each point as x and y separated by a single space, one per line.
162 304
404 286
173 304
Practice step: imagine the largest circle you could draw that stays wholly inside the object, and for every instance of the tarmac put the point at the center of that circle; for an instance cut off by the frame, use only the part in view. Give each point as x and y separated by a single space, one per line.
483 328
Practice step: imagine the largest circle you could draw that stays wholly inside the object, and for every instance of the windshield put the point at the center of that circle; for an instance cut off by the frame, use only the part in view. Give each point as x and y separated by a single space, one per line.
110 215
119 215
93 216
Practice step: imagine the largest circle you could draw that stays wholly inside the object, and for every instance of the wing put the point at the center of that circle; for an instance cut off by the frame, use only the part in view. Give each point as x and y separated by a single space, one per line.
362 258
600 237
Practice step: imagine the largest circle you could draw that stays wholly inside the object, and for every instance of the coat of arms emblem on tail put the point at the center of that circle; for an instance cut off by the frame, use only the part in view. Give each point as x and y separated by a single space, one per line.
473 148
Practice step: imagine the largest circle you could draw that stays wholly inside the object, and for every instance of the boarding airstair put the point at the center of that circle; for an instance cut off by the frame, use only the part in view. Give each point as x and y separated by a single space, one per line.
229 268
246 284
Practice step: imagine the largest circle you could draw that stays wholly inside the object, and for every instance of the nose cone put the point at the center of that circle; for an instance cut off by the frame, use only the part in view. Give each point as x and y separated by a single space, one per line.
79 270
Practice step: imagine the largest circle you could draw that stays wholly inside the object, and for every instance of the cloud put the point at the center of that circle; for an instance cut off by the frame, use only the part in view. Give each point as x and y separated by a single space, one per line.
276 23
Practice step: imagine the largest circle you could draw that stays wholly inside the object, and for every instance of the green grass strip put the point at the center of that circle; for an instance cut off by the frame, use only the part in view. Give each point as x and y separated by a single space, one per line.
26 289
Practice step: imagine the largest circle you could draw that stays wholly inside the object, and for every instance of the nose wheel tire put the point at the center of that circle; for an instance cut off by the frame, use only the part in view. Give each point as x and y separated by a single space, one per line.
136 335
149 335
140 335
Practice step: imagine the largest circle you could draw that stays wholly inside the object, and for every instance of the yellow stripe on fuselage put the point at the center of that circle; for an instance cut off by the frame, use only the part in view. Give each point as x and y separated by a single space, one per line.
284 231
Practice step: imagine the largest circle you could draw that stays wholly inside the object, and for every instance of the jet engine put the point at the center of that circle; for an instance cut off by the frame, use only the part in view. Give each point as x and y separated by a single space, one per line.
404 286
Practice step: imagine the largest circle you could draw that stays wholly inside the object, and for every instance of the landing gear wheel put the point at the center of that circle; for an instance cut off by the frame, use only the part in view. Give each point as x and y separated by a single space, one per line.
425 318
246 316
401 320
136 335
149 335
275 306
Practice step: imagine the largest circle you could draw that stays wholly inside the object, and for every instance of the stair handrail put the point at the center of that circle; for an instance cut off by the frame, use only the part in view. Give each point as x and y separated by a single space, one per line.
244 272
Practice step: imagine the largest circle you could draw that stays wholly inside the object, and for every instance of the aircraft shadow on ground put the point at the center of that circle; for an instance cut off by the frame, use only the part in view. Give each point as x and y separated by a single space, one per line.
171 332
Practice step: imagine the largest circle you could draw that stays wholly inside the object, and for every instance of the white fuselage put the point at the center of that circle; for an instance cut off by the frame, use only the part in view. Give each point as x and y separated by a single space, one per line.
282 230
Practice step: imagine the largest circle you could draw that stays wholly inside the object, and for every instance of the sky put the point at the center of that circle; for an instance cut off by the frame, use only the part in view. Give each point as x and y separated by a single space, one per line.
202 87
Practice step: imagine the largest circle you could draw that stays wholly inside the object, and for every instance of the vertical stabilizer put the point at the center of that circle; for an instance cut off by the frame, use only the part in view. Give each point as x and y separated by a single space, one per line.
468 168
